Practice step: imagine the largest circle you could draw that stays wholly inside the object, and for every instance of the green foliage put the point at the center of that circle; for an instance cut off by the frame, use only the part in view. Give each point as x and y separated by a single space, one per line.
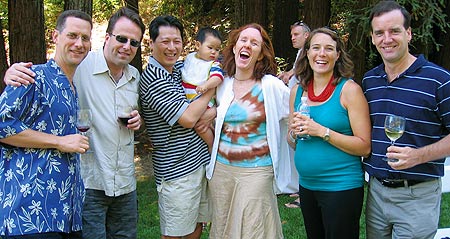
426 15
52 9
103 9
194 14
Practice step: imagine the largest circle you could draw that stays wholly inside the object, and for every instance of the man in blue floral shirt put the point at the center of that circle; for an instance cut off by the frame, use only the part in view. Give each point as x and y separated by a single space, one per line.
41 191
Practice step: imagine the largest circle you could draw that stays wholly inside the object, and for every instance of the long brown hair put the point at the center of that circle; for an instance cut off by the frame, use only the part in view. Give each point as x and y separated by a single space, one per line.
342 68
266 65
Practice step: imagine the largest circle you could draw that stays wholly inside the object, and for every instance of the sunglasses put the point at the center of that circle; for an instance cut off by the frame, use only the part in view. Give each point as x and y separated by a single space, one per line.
121 39
302 24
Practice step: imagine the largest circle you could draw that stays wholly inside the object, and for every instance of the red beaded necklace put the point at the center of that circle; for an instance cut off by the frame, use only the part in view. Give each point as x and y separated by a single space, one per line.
326 93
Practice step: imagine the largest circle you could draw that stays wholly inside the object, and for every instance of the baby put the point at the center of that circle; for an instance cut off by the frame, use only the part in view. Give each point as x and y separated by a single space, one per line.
202 71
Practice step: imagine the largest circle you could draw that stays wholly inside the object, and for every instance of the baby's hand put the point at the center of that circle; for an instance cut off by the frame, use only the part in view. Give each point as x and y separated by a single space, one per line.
201 89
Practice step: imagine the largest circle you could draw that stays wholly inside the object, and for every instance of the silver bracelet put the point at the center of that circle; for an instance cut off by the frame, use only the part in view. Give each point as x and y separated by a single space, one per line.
291 137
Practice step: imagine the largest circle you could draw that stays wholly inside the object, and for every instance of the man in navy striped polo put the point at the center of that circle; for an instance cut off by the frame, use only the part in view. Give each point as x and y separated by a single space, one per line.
404 194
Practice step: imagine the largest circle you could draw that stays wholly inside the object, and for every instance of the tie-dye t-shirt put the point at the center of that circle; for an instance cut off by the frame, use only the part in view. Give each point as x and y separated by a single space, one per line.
243 140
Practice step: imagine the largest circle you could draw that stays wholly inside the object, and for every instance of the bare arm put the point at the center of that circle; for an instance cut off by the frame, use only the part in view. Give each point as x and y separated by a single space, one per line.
286 75
352 98
18 74
73 143
195 110
206 120
290 136
211 83
409 157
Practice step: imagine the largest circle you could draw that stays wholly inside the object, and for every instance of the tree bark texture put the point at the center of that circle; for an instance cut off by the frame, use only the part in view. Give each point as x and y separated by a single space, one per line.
317 13
83 5
26 31
3 60
251 11
286 13
137 60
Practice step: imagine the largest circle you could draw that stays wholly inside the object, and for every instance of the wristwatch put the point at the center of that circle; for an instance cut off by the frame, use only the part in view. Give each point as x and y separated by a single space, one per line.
326 136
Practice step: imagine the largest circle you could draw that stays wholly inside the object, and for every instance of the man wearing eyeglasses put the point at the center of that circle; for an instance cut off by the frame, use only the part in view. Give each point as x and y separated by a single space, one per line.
299 32
41 191
105 82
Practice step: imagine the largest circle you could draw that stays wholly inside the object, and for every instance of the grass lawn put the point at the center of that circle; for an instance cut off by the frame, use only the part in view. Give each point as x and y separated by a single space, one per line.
291 218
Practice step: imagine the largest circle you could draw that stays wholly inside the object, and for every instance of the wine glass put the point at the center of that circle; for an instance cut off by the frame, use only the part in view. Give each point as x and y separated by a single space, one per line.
84 120
123 115
394 126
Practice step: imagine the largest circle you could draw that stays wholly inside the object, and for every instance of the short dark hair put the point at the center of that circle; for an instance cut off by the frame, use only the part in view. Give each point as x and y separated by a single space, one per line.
128 13
61 21
205 31
387 6
166 20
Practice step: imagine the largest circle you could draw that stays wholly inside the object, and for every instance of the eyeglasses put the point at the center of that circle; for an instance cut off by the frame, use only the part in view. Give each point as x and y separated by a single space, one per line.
122 39
302 24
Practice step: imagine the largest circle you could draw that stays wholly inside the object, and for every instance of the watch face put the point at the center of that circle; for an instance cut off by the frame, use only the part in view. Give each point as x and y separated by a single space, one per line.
326 137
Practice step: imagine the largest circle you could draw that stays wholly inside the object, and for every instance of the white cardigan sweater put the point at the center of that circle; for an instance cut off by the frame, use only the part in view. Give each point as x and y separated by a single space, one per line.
276 104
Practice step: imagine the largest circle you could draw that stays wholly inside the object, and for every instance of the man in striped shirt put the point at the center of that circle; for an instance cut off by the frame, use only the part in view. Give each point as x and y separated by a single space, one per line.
404 194
179 154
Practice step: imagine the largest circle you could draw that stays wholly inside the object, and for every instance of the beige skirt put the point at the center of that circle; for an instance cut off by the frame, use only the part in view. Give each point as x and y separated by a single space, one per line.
244 205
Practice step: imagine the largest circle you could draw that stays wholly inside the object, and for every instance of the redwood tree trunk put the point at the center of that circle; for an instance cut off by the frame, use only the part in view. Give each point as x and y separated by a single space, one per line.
251 11
317 12
83 5
3 59
137 60
26 31
286 13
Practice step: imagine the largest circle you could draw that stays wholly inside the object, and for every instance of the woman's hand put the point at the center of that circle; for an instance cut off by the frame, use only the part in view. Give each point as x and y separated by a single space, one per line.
302 125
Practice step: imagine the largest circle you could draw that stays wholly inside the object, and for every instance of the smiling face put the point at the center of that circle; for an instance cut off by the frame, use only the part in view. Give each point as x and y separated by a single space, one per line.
390 36
322 54
117 53
209 49
247 50
73 42
167 47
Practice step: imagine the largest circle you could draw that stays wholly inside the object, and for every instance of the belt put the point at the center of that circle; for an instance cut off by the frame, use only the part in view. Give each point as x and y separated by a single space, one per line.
397 183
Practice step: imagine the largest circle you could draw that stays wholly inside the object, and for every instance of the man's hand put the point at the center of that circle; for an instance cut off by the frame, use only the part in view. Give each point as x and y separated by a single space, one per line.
406 157
286 75
206 120
73 143
135 122
19 74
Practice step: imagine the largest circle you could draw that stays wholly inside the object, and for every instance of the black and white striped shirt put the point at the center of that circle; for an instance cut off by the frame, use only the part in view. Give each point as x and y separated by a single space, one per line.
178 151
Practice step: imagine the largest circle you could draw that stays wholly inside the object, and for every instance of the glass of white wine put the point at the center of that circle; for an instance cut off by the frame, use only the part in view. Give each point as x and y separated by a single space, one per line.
394 126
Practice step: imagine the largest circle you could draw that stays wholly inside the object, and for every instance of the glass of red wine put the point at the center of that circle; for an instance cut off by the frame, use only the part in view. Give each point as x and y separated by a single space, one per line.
84 120
124 114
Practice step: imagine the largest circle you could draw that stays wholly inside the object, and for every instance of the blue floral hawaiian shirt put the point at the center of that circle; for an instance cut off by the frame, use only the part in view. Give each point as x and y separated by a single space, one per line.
40 189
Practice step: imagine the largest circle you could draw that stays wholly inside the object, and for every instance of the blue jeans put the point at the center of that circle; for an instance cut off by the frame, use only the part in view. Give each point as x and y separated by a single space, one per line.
48 235
109 217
